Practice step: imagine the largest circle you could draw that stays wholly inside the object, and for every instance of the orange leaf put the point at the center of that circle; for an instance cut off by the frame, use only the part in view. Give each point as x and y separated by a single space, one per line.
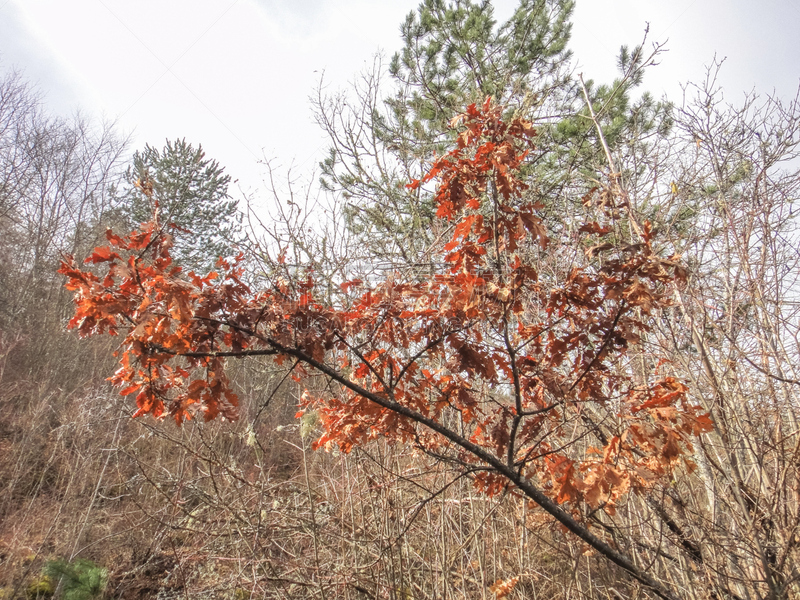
502 588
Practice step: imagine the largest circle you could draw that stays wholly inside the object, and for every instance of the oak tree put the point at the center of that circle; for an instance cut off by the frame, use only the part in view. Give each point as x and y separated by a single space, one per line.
510 365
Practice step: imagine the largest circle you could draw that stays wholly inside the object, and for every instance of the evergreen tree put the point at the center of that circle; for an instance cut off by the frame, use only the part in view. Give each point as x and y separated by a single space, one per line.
80 579
191 195
454 54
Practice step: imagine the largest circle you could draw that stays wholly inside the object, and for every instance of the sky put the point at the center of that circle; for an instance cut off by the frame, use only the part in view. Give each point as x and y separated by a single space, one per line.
237 75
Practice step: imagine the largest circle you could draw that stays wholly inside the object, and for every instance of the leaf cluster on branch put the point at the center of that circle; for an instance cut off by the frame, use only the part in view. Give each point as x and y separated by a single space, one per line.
516 371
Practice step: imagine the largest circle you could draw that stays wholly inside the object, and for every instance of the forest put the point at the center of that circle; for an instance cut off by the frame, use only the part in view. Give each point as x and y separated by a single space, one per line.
529 335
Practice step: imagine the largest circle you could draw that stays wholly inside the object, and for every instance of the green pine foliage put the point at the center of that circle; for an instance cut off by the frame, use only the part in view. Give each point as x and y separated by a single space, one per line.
624 121
191 192
456 53
80 579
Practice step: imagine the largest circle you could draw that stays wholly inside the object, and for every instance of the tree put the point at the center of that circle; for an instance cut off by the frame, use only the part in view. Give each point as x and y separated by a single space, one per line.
55 178
390 125
454 54
190 193
728 198
508 363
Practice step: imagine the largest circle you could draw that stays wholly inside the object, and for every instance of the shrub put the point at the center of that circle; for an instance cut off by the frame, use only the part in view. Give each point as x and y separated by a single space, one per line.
81 579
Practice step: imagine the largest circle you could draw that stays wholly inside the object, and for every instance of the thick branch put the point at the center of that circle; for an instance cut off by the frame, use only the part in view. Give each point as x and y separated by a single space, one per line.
522 483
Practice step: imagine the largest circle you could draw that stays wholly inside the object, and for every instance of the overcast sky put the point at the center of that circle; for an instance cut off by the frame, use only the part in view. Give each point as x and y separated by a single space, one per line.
236 75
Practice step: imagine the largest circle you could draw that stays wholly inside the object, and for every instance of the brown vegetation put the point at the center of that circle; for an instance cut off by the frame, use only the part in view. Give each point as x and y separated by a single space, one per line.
248 510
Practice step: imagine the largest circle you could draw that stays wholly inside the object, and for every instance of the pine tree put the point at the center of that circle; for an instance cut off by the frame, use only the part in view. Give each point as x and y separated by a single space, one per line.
454 54
191 195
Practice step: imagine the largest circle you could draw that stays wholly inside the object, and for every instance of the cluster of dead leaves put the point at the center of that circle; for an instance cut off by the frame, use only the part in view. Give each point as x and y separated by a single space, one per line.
523 366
